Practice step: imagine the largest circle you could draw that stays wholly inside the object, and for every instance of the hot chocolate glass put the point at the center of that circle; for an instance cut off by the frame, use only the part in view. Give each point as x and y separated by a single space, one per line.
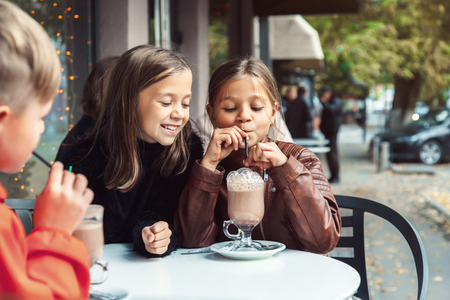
90 232
245 206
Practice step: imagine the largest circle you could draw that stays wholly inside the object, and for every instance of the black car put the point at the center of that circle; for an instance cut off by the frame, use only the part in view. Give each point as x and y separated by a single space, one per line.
426 139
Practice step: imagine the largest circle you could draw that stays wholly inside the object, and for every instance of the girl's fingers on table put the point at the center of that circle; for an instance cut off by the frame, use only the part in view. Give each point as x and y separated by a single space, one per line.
147 235
160 244
159 227
161 250
165 234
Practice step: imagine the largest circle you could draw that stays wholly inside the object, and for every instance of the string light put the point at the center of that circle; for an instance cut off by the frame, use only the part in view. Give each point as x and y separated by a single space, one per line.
65 48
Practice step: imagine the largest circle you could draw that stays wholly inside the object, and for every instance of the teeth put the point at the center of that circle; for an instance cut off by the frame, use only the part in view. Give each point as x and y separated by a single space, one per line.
171 127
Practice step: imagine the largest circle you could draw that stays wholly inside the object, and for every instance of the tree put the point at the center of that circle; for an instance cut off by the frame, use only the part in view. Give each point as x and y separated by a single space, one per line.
399 42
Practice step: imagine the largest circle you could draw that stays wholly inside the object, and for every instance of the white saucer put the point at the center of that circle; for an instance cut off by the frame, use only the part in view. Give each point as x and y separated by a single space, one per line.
247 255
120 293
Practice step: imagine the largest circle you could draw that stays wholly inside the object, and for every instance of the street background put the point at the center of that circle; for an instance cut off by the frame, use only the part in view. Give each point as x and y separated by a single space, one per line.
390 264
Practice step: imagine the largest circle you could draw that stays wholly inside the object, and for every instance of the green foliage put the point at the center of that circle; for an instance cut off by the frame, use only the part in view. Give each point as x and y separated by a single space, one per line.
218 43
389 39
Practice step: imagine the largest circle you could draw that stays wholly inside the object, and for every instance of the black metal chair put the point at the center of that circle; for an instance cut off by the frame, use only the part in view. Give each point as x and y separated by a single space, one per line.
356 221
23 208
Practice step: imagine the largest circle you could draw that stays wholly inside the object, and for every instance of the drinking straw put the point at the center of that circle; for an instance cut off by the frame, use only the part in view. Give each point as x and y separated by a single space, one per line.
70 169
42 159
246 148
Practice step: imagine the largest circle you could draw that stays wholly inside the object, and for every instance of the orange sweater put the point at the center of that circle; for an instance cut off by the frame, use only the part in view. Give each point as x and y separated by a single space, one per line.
47 264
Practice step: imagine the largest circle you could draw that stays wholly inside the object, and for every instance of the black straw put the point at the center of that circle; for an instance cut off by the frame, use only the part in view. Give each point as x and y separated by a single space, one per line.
42 159
246 148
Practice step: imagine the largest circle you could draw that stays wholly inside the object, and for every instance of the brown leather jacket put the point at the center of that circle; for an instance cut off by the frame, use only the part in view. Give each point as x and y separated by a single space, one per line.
300 209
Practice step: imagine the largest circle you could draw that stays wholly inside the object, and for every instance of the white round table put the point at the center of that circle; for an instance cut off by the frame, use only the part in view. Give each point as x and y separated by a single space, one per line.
289 274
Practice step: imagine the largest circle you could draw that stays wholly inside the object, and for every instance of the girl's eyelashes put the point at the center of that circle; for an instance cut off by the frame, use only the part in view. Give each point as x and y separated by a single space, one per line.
186 105
234 109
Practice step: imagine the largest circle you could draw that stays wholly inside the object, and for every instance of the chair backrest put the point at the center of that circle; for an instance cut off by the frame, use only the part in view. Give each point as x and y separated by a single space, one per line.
23 208
356 221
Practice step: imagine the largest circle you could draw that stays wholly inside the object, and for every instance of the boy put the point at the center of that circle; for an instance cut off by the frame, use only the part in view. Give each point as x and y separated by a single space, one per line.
49 263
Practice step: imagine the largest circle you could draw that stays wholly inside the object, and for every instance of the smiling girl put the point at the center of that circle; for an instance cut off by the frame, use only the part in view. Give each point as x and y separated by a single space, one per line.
140 153
300 209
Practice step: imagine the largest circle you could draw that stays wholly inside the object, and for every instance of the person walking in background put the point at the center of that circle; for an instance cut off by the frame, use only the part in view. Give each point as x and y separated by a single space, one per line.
298 115
329 125
90 102
288 98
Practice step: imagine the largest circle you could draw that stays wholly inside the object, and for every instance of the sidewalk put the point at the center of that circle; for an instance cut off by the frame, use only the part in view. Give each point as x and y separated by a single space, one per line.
391 267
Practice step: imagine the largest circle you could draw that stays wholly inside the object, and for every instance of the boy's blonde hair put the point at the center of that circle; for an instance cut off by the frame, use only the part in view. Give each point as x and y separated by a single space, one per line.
29 66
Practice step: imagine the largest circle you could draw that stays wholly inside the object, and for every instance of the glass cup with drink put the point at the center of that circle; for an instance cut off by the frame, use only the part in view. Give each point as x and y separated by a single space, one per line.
90 232
245 207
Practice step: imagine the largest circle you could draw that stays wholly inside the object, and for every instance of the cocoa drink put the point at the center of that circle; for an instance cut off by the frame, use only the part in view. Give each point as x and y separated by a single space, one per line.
245 198
90 232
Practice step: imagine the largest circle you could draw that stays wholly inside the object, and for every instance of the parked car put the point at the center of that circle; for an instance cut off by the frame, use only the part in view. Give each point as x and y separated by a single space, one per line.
427 139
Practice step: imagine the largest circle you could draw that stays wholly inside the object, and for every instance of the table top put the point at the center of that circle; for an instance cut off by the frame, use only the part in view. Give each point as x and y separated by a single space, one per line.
289 274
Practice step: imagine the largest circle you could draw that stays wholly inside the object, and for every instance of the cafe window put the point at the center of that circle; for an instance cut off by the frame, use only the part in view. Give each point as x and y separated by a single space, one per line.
69 24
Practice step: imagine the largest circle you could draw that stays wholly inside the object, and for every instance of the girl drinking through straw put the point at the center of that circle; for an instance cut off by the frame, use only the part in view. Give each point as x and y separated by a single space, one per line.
300 209
141 151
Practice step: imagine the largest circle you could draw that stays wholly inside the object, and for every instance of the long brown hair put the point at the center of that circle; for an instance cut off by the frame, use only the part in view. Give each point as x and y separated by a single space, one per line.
93 87
239 68
118 126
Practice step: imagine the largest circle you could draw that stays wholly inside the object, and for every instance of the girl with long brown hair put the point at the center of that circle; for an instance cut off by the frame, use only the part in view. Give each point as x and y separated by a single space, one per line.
140 153
300 209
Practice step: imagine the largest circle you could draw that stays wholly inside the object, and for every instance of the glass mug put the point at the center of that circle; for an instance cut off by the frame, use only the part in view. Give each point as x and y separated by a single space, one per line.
245 207
90 232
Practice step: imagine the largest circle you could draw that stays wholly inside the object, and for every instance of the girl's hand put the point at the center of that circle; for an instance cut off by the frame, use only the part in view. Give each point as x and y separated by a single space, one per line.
157 237
265 155
63 201
223 141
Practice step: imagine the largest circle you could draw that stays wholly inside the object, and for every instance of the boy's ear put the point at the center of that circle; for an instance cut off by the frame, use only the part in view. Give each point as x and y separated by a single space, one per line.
209 110
5 111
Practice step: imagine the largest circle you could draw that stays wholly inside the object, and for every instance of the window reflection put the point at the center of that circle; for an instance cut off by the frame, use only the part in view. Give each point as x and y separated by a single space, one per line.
69 25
